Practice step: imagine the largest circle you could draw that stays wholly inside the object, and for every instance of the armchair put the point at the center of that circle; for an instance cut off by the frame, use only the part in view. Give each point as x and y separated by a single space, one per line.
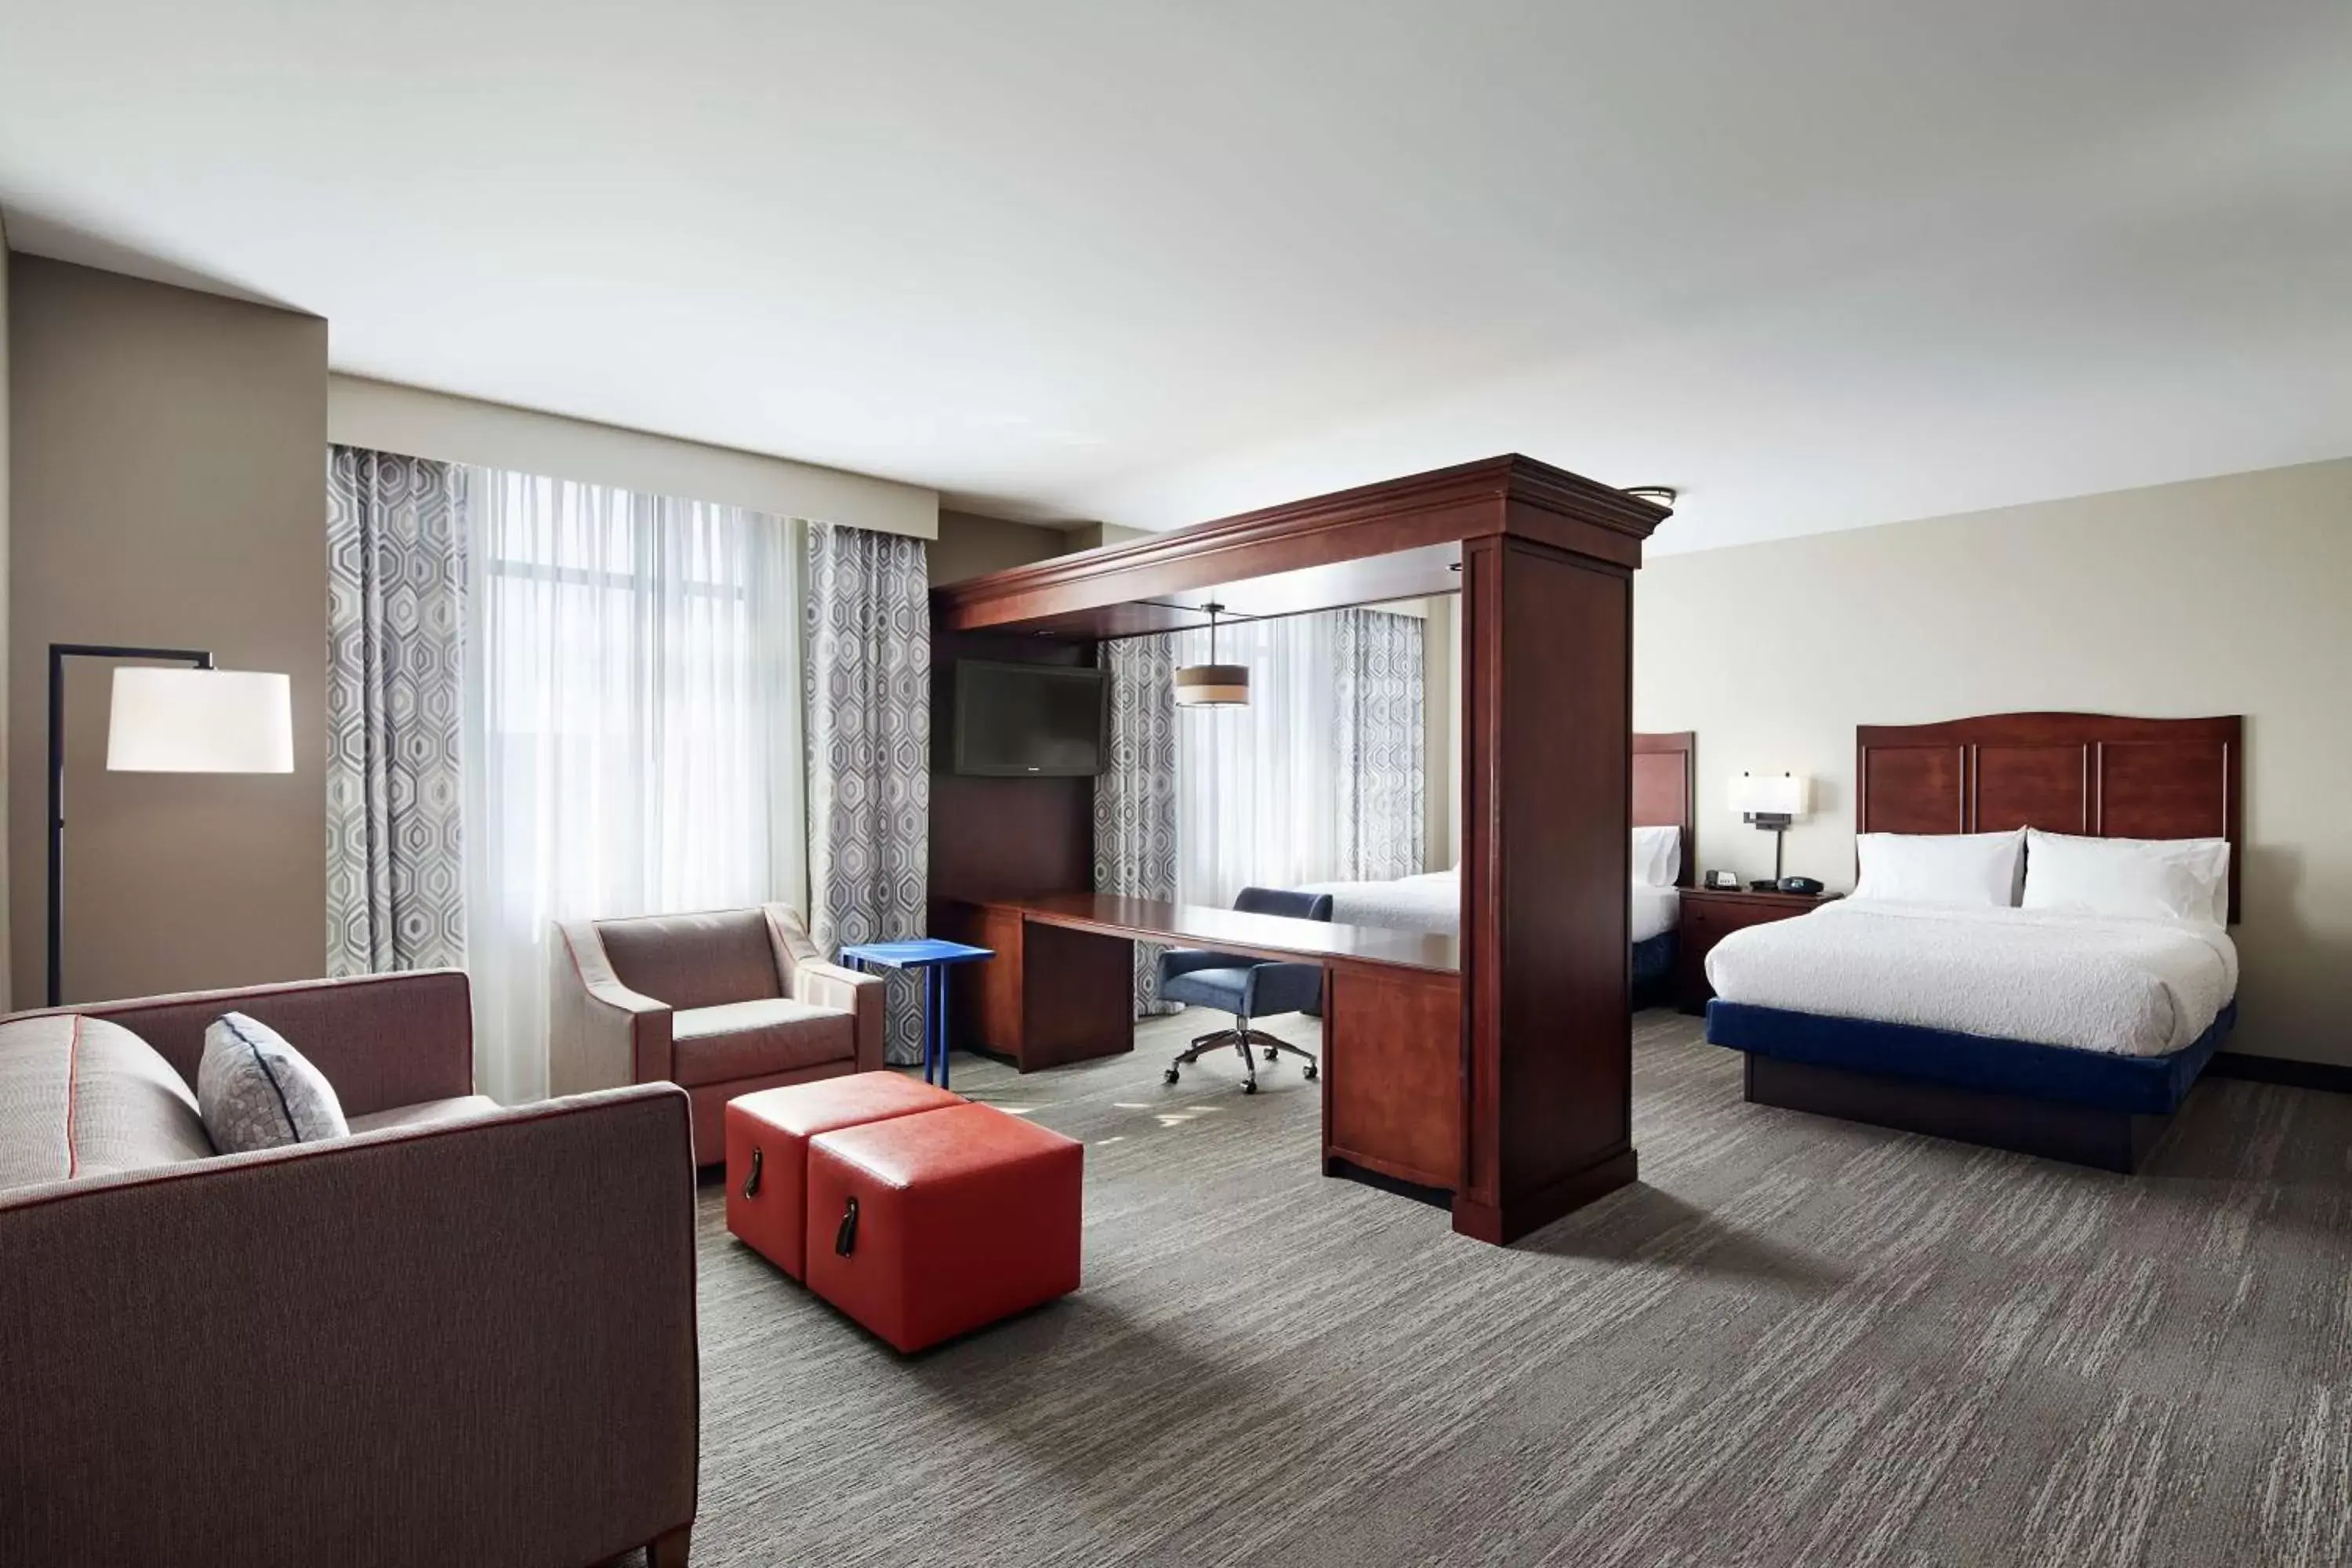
719 1003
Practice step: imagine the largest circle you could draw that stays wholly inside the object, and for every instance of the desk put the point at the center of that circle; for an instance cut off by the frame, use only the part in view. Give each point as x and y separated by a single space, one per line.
1061 990
1544 562
1231 930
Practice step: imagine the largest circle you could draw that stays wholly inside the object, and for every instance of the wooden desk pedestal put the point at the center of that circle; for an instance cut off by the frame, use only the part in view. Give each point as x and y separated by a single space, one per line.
1393 1073
1054 994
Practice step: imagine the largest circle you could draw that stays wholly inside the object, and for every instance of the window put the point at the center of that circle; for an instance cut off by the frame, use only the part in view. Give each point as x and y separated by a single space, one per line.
633 729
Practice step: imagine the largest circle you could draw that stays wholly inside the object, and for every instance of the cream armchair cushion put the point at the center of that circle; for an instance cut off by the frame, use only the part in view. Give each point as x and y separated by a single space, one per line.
750 1039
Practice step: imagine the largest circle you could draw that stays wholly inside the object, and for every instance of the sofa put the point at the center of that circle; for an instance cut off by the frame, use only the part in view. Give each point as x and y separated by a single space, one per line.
720 1003
462 1334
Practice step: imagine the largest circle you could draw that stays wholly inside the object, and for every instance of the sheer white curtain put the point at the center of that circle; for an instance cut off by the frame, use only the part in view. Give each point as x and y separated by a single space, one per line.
633 738
1258 787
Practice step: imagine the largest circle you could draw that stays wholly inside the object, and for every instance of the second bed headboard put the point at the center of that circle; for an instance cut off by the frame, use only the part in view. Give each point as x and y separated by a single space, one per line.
2090 773
1665 790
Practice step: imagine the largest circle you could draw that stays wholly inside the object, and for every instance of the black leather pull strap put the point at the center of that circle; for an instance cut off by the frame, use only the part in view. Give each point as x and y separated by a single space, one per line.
845 1238
751 1182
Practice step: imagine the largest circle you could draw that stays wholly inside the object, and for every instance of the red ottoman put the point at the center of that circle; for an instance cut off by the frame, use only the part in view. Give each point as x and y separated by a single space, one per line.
769 1130
962 1217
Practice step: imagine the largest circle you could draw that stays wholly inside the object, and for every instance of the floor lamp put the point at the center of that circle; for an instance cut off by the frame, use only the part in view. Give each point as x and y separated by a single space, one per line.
200 720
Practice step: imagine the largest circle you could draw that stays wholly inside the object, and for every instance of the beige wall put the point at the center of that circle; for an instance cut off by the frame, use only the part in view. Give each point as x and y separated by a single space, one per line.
169 491
2229 595
1102 535
395 418
971 545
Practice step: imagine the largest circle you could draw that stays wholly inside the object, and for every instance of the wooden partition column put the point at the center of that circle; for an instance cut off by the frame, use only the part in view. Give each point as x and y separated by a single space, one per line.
1522 1106
1547 744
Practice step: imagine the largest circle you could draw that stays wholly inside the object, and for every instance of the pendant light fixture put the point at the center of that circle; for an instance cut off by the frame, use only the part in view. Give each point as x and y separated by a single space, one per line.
1213 685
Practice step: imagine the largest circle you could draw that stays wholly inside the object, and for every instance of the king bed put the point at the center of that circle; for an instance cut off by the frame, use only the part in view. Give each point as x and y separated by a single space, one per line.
1663 798
2036 957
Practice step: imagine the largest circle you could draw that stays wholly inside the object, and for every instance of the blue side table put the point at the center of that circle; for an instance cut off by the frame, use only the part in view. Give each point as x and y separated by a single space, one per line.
932 960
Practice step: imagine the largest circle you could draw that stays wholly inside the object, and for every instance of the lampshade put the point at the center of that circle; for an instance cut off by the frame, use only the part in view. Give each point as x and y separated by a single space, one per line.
1771 794
1212 686
199 721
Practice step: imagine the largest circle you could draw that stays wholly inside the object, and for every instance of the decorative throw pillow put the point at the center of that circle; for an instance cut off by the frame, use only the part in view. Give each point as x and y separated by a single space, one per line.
258 1092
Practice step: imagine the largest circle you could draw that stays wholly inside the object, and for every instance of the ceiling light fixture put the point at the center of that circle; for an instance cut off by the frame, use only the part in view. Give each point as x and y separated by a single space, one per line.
1656 495
1213 685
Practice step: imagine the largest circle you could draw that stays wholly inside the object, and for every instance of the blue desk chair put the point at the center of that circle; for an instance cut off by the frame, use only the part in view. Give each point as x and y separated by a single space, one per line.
1247 987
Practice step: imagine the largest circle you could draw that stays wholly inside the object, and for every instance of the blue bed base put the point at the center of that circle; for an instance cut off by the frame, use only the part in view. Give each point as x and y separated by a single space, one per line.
2138 1086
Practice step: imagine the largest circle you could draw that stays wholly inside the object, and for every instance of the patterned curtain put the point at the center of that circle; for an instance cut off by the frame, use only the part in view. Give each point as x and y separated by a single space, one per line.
869 686
1377 658
395 704
1135 794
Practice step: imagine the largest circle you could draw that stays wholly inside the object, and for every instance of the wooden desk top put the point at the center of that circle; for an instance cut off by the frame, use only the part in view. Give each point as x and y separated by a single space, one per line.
1230 931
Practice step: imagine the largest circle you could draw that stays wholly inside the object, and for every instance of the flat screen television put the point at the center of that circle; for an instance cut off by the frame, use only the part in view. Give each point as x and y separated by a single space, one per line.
1028 720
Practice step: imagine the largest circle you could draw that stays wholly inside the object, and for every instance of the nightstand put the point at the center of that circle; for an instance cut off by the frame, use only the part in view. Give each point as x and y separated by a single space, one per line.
1710 914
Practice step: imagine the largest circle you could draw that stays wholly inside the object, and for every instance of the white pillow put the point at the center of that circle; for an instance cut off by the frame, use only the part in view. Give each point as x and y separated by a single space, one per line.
1658 857
1973 869
2129 878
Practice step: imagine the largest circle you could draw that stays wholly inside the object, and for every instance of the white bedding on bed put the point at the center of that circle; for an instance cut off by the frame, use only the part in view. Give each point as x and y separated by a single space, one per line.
1656 911
1433 902
2130 987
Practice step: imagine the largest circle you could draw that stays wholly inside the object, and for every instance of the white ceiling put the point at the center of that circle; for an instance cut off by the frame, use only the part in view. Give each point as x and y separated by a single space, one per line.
1820 263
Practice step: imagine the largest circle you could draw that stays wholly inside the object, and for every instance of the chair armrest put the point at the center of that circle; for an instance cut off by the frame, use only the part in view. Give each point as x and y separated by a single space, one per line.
1179 960
600 1033
474 1339
866 995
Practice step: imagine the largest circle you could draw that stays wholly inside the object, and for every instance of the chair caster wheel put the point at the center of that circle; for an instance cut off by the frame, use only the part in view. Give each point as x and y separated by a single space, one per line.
1312 1073
1269 1054
1249 1086
1171 1076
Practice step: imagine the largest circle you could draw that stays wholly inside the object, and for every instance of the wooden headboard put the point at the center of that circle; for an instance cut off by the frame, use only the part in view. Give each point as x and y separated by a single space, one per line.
1663 789
2088 773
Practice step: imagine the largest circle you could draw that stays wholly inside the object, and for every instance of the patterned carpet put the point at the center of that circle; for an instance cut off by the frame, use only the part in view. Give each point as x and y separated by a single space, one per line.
1797 1341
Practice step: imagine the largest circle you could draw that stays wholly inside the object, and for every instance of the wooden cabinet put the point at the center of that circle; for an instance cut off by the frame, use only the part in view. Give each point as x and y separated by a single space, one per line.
1050 996
1710 914
1393 1073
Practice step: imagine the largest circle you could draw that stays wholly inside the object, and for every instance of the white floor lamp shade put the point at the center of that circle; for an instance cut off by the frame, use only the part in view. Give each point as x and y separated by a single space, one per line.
199 721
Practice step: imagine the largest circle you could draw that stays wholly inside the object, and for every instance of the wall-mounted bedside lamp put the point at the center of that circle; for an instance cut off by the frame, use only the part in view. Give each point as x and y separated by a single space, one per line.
165 720
1771 802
